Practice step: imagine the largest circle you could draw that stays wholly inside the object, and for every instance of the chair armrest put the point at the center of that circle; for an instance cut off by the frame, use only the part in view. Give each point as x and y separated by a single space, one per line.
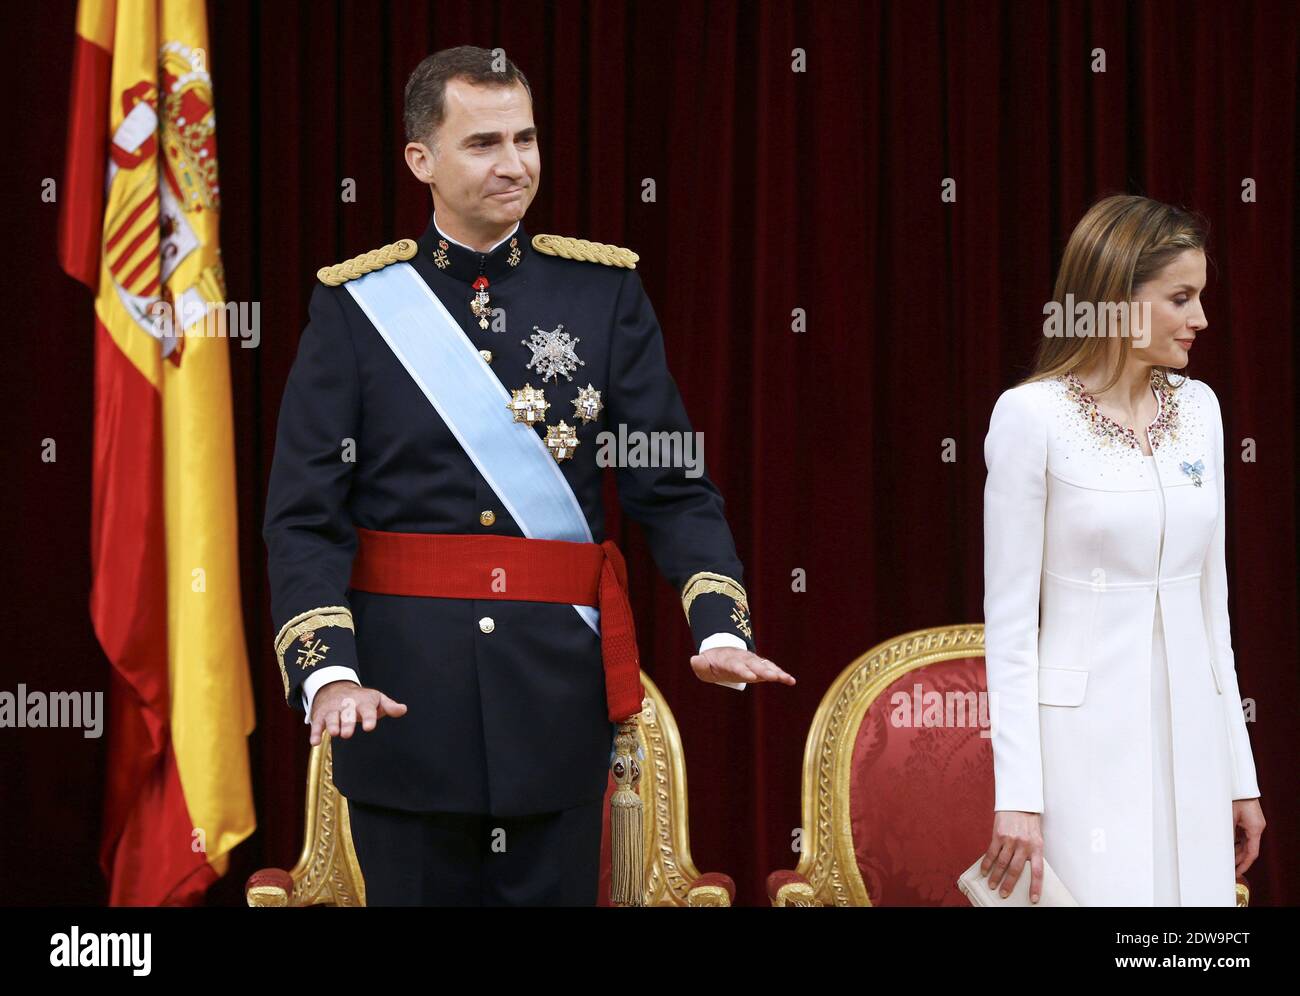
269 887
789 888
712 889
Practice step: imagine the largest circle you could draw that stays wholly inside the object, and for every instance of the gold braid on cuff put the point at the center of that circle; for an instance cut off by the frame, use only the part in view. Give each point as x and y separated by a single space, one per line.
307 623
706 582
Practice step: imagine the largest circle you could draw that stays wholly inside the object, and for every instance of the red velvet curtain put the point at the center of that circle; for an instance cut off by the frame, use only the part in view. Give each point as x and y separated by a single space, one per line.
777 192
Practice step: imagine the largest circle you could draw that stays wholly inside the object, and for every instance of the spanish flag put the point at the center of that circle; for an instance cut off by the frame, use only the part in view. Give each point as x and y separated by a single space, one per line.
140 206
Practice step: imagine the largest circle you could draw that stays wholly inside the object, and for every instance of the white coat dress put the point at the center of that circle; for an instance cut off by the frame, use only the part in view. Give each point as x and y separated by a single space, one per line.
1106 589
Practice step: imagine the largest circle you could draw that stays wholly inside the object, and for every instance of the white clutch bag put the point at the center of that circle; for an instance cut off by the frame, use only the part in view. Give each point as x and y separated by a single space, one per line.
975 887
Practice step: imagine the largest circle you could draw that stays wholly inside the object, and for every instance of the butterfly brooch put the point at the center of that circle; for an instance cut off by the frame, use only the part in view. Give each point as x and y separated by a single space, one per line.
1194 471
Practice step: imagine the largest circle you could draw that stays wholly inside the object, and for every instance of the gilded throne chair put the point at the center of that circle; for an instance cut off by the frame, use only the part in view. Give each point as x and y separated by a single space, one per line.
328 874
897 796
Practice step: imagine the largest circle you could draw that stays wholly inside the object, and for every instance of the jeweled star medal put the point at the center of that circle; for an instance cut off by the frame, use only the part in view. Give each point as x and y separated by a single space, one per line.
587 405
553 353
561 440
528 405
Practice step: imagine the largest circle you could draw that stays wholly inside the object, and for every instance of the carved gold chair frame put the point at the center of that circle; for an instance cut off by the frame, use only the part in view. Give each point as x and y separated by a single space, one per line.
328 873
827 873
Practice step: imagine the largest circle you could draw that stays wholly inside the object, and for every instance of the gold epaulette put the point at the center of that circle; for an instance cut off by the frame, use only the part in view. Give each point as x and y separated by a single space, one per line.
590 252
367 262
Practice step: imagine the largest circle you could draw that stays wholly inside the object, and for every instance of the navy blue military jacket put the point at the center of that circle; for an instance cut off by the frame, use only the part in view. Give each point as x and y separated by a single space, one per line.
506 716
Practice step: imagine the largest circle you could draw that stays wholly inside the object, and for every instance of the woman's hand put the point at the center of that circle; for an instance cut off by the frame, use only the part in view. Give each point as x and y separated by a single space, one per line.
1017 838
1247 816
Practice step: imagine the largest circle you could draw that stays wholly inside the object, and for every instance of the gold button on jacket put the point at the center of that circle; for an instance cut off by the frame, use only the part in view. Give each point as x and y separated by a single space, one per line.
487 517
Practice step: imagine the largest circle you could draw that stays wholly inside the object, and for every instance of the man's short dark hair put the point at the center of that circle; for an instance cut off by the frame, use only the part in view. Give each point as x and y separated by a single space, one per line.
425 105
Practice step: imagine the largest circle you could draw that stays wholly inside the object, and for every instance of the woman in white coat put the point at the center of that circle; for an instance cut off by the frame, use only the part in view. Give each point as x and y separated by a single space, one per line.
1120 749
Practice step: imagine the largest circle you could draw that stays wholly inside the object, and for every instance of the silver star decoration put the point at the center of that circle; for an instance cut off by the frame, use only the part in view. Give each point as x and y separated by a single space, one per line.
553 353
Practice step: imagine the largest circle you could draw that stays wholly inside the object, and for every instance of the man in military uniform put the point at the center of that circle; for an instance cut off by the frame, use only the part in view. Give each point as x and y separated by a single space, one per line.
435 525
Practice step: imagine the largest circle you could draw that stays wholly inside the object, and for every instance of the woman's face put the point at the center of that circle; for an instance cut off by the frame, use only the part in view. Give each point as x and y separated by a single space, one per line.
1177 317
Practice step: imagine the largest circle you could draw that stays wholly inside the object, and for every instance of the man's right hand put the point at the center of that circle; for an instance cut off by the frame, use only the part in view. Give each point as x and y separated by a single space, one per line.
336 706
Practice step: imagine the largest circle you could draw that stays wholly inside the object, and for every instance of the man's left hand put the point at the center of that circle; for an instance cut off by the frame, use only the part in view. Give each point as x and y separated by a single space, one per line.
734 664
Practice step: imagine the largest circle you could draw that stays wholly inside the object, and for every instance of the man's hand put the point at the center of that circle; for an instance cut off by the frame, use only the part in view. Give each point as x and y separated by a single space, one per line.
734 664
335 707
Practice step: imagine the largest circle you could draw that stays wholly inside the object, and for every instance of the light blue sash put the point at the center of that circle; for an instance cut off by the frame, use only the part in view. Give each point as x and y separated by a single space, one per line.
447 367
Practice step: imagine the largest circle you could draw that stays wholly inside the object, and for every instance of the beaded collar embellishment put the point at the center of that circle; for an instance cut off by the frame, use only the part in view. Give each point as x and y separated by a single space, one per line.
1163 428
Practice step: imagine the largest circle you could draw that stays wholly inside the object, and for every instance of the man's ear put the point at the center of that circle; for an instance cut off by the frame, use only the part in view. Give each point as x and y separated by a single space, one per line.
419 160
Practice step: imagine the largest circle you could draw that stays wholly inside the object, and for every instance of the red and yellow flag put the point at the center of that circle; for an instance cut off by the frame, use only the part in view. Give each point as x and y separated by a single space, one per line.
139 227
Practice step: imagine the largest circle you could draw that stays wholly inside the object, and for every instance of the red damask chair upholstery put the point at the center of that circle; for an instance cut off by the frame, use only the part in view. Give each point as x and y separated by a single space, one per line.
898 778
327 872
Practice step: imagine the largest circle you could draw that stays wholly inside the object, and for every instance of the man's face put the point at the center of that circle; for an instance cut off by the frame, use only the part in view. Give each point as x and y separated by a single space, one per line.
485 167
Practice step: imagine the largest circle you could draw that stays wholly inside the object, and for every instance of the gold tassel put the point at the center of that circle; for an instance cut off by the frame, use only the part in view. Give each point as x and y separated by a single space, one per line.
626 822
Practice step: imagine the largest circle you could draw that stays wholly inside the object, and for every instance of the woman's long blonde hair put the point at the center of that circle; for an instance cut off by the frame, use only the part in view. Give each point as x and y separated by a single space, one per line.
1122 242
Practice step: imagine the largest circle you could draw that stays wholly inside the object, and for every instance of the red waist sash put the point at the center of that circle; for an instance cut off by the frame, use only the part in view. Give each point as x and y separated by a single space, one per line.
450 565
